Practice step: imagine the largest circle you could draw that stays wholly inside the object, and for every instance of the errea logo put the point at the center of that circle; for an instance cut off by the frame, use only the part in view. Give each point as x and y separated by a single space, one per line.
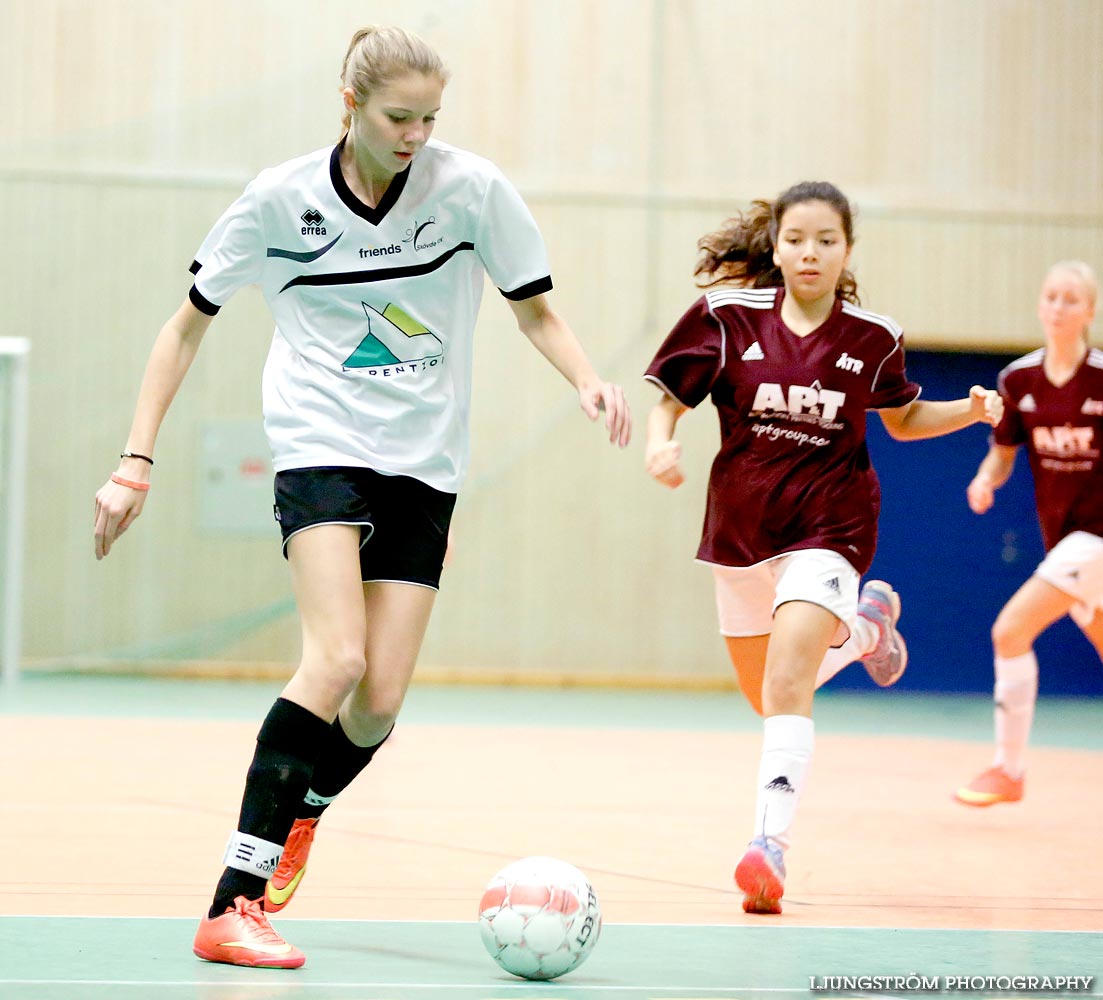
313 220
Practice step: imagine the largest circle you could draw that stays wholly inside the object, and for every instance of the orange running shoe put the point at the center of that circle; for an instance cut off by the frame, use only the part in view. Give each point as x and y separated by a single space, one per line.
243 936
761 875
292 867
994 785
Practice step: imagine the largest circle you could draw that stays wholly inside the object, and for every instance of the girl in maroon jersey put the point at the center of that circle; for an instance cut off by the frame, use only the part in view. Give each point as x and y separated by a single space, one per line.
1053 404
792 364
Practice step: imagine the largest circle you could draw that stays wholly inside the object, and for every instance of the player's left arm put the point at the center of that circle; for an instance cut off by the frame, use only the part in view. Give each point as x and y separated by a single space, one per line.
926 419
553 338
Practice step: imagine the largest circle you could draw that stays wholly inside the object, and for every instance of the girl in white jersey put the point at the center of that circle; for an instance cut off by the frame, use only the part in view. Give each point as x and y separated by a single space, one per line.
371 256
1053 405
792 364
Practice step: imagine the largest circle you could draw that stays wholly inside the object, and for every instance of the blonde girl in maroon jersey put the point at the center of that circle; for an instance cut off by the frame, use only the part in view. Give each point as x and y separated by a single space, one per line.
1053 405
792 364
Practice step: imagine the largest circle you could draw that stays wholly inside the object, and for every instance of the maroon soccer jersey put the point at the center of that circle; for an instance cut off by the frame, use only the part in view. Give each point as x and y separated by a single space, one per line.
793 471
1062 427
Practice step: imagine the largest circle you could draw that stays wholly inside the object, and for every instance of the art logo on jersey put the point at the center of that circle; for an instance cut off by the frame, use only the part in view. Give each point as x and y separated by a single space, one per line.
777 408
798 400
1065 442
312 223
395 341
419 238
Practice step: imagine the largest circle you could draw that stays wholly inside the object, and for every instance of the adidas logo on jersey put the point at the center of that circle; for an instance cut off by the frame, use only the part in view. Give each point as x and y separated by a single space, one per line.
753 353
832 584
1027 404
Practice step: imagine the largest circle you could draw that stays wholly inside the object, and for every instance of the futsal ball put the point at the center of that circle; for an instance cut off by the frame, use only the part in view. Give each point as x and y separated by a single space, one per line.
539 918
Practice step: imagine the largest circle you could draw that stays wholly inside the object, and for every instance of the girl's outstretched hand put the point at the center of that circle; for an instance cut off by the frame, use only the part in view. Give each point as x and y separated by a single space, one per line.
116 508
608 397
987 404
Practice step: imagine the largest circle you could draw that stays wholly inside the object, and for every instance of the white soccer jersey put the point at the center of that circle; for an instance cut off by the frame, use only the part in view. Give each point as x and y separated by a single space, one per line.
375 308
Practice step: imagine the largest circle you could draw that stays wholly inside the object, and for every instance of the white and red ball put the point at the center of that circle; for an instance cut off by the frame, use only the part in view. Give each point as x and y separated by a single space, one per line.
539 918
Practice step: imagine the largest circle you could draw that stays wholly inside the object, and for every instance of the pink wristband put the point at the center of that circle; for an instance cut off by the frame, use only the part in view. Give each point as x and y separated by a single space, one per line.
140 487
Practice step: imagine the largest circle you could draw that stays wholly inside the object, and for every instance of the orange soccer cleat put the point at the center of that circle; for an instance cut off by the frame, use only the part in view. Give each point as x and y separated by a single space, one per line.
994 785
292 867
761 875
243 936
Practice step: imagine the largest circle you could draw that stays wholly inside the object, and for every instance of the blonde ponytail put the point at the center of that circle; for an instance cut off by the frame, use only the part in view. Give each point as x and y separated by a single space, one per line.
378 54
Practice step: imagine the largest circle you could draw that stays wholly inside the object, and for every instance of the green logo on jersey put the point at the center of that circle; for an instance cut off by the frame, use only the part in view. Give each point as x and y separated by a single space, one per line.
394 338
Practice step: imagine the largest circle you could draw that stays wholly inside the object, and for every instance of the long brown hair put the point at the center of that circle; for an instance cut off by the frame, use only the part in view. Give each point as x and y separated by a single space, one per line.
742 250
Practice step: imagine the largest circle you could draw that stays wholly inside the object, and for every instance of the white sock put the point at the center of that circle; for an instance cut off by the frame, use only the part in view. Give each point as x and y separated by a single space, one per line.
1015 693
786 752
863 638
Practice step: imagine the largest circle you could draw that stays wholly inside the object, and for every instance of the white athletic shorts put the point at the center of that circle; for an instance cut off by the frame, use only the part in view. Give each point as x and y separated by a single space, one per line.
1075 566
747 597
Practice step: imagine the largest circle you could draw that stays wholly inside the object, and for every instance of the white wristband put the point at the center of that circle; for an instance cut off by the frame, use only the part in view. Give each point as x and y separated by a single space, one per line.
250 854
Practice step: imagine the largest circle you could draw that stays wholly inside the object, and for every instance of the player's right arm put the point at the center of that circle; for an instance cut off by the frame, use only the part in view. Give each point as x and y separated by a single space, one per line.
994 471
664 454
173 352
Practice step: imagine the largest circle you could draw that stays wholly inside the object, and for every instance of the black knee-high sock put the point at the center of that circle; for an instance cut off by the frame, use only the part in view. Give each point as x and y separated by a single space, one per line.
287 745
340 761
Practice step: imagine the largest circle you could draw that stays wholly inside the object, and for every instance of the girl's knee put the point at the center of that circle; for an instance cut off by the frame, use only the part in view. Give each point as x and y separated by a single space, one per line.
1009 638
334 671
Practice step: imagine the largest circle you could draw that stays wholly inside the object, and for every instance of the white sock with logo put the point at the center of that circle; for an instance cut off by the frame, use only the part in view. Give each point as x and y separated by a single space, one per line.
786 753
1015 693
863 639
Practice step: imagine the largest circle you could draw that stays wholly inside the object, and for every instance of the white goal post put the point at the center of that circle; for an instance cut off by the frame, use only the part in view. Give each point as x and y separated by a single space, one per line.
14 358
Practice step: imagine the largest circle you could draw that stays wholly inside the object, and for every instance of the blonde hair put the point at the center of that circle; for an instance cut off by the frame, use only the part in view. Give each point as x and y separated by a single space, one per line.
376 55
1086 276
1080 270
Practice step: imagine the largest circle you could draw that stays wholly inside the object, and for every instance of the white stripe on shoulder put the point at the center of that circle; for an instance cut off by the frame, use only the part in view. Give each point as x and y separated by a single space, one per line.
1031 360
871 317
658 382
751 298
1095 358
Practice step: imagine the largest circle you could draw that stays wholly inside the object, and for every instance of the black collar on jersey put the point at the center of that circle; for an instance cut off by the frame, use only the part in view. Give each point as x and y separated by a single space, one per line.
344 192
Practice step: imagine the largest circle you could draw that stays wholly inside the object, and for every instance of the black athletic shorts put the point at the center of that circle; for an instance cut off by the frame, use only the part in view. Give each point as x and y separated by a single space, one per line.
403 522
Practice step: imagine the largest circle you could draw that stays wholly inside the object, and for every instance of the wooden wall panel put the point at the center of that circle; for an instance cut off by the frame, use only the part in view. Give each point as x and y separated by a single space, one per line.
970 137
